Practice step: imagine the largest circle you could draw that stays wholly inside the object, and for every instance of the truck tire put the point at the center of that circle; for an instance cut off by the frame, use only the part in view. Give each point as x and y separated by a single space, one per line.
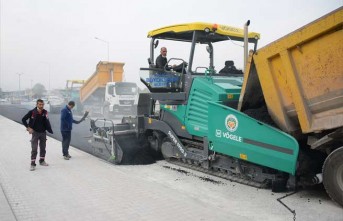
333 175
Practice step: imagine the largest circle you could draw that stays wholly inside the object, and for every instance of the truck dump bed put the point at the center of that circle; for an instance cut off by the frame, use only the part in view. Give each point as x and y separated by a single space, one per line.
105 72
301 77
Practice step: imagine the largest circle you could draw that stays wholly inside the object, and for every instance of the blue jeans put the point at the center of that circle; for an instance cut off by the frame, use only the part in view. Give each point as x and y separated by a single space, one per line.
66 137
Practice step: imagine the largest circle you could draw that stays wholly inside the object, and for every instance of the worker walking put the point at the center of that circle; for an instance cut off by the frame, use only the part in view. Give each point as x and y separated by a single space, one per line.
38 125
67 121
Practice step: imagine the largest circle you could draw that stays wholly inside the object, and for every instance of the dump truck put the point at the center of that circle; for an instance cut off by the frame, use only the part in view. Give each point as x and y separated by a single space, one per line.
105 92
299 80
279 128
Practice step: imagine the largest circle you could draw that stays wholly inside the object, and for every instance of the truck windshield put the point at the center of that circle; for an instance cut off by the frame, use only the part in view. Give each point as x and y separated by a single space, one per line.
222 51
126 89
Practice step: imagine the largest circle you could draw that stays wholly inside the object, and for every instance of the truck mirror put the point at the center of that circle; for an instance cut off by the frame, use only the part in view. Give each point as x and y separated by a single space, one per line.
156 43
208 49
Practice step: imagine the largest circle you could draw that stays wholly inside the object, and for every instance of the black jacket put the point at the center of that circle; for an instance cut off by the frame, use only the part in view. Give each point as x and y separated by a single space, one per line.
32 114
161 62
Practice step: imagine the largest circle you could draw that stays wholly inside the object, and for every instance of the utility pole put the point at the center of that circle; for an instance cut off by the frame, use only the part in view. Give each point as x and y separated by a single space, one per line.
108 47
31 90
19 74
110 72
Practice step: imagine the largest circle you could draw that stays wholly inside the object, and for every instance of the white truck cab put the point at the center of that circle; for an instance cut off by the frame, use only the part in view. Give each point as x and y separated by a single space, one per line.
121 98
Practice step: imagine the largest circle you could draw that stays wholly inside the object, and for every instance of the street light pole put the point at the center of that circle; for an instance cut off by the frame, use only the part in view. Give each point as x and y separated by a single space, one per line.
108 47
19 74
31 91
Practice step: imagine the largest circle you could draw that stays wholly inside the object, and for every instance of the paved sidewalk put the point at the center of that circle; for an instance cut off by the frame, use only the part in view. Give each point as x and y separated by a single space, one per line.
87 188
6 212
84 188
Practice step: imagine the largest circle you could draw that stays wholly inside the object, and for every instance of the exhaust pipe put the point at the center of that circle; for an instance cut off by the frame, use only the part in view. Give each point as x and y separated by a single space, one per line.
246 46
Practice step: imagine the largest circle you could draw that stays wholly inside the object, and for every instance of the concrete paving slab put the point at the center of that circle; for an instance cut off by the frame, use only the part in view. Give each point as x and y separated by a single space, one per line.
6 212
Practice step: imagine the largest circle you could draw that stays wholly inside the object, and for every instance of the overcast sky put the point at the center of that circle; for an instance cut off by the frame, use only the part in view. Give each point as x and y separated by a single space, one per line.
60 34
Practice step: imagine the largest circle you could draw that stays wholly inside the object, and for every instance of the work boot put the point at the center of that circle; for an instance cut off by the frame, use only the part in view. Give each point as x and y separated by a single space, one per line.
43 163
66 157
32 168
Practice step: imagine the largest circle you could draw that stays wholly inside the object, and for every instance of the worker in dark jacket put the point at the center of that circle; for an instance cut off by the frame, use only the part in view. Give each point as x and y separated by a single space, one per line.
230 68
161 60
38 125
67 121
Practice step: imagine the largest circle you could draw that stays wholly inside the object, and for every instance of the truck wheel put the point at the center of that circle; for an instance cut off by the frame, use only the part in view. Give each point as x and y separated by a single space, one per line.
333 175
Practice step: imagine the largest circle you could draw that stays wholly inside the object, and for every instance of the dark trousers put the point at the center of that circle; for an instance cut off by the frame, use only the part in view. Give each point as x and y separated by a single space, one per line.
41 139
66 137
